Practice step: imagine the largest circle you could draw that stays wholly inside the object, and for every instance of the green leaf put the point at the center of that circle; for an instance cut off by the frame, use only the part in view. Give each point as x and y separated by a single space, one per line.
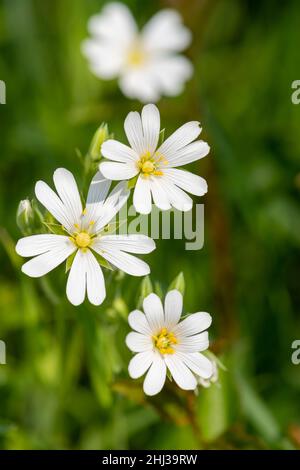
9 246
178 283
213 408
257 411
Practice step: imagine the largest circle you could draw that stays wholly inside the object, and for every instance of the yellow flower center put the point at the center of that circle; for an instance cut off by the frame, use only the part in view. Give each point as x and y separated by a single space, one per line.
149 164
148 167
136 56
82 239
164 340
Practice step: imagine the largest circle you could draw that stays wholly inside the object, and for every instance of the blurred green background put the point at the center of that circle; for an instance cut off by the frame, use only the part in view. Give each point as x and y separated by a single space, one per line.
65 384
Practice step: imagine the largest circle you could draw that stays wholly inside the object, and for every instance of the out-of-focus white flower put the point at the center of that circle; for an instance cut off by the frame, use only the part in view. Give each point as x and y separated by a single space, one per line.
147 63
206 383
162 342
83 236
158 177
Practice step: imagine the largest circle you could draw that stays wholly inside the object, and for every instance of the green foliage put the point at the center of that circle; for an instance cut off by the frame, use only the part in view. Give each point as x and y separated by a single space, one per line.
65 384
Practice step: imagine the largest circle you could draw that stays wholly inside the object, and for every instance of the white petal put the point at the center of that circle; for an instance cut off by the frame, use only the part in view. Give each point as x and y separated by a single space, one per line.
170 74
98 191
38 244
46 262
188 154
115 24
154 312
140 84
142 196
67 190
193 324
138 322
54 205
131 243
160 196
123 261
198 363
76 284
140 363
189 182
178 198
156 376
195 343
180 373
165 32
134 132
112 205
151 127
118 171
94 280
105 60
138 343
118 152
180 138
173 308
85 274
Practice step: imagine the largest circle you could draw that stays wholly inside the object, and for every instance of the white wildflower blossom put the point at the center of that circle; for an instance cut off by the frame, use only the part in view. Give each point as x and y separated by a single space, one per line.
146 62
162 342
84 237
154 166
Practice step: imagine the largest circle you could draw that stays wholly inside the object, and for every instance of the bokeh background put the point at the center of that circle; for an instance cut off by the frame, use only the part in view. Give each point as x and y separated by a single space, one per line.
65 384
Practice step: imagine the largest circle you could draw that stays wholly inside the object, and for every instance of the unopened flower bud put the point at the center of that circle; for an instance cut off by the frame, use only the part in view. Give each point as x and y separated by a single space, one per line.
28 217
99 137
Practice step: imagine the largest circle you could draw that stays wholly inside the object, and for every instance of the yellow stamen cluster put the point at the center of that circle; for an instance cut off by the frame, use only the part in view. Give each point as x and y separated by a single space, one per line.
164 340
82 239
148 164
83 236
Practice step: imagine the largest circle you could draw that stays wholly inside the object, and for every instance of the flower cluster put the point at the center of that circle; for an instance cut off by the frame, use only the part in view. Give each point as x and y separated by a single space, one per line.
148 66
81 238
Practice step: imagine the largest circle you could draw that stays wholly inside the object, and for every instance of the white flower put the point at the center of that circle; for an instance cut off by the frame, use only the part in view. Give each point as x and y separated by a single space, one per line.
146 62
158 176
161 342
84 235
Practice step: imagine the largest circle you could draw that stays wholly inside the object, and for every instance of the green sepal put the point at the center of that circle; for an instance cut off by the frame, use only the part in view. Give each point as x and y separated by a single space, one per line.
132 182
178 283
161 137
57 229
100 136
158 289
113 227
70 260
103 262
146 288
